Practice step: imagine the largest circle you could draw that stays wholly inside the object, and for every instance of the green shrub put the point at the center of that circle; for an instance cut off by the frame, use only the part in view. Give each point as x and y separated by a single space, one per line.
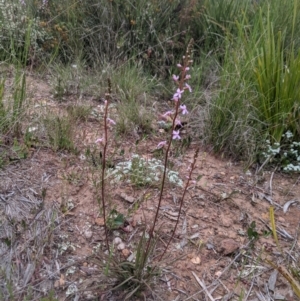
14 24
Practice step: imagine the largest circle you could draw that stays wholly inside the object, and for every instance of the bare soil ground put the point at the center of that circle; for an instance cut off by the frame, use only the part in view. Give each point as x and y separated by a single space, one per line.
51 227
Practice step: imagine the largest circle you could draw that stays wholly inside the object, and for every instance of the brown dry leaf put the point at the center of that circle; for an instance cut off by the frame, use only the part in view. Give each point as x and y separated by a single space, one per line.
61 282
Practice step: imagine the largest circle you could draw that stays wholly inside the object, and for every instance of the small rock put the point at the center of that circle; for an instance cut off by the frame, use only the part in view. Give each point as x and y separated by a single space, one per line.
117 240
89 295
127 198
121 246
226 221
99 221
196 260
88 233
228 246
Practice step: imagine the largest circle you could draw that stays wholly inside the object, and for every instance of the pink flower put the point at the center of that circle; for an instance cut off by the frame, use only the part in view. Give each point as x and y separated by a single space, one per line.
188 76
110 121
178 122
187 68
99 140
179 65
183 109
161 144
175 77
188 87
178 93
176 135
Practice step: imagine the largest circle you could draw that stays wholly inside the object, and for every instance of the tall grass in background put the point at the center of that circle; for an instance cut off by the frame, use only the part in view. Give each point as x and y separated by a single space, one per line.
252 44
259 80
214 21
11 109
277 76
145 30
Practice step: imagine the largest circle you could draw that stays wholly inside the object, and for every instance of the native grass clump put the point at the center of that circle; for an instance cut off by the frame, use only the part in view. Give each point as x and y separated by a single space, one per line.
257 96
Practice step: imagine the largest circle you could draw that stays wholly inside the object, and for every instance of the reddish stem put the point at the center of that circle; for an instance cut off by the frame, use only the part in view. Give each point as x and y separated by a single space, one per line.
192 167
177 104
103 172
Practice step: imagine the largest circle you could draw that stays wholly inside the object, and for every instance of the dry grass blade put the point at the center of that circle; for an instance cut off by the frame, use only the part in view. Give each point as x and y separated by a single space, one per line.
204 287
273 225
289 277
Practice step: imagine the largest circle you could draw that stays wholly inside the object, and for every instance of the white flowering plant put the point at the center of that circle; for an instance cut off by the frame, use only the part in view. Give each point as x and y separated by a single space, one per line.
286 154
142 172
15 21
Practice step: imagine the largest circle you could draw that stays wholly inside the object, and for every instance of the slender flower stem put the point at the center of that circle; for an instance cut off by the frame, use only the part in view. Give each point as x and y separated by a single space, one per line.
165 170
103 172
176 98
192 167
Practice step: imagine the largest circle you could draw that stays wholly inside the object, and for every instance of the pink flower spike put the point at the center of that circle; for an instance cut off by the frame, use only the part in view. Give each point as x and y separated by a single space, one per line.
161 144
183 109
99 140
110 121
178 122
176 135
188 87
175 77
178 94
179 65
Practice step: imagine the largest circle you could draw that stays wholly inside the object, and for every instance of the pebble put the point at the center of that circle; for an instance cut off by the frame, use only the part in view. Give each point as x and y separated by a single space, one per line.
121 246
117 240
228 246
88 233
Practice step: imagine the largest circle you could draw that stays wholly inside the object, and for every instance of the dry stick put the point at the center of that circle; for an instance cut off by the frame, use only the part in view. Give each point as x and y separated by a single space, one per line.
192 167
